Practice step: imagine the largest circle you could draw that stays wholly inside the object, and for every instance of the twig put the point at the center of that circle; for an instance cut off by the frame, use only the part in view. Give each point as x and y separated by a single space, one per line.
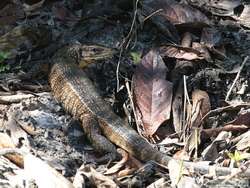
133 108
224 108
152 14
186 99
117 70
213 132
14 98
126 41
132 25
236 78
242 168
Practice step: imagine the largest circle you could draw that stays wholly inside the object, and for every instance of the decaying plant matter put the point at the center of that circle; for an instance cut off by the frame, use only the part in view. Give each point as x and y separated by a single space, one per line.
165 81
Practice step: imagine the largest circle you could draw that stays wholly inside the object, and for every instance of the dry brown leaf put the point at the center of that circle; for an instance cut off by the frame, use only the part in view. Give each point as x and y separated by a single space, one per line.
152 92
193 142
179 14
6 142
180 52
201 106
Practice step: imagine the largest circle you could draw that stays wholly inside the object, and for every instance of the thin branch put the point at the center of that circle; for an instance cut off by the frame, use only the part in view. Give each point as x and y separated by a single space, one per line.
236 78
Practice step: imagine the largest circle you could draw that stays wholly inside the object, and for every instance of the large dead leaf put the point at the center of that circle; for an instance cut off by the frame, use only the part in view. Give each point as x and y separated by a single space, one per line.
180 52
177 13
200 107
152 92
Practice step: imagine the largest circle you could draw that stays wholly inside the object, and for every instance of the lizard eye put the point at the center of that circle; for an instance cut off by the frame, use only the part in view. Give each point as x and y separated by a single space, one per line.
96 50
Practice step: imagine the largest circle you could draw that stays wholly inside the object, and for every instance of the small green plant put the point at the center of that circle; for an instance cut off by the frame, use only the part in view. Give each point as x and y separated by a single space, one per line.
237 156
136 57
3 56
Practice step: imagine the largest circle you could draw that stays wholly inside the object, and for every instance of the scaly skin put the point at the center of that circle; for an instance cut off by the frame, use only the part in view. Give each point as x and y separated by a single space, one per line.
71 86
74 90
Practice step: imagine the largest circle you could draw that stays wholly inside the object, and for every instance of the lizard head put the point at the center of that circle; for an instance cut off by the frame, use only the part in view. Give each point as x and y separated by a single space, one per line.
92 53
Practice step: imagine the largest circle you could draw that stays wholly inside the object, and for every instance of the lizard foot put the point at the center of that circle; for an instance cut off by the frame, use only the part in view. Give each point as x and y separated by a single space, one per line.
101 144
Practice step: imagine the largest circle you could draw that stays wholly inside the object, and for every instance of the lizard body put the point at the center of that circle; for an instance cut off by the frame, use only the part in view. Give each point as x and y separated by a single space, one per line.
71 86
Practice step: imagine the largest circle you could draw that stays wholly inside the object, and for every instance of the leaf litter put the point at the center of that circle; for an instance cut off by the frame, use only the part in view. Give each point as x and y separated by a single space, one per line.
190 87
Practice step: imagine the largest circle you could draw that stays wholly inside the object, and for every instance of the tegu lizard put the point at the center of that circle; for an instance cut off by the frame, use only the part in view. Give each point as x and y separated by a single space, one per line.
71 86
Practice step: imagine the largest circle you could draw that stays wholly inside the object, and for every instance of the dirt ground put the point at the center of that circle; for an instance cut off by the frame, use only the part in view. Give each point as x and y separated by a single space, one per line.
209 76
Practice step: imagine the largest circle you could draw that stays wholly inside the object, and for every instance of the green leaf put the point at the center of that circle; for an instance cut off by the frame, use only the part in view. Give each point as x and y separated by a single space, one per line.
237 156
3 56
136 57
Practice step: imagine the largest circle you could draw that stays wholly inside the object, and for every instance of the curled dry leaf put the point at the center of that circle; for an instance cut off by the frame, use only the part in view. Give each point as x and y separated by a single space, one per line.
201 106
152 93
179 14
6 142
180 52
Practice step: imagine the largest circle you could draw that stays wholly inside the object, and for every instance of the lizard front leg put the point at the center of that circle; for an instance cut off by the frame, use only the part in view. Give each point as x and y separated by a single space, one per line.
101 144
